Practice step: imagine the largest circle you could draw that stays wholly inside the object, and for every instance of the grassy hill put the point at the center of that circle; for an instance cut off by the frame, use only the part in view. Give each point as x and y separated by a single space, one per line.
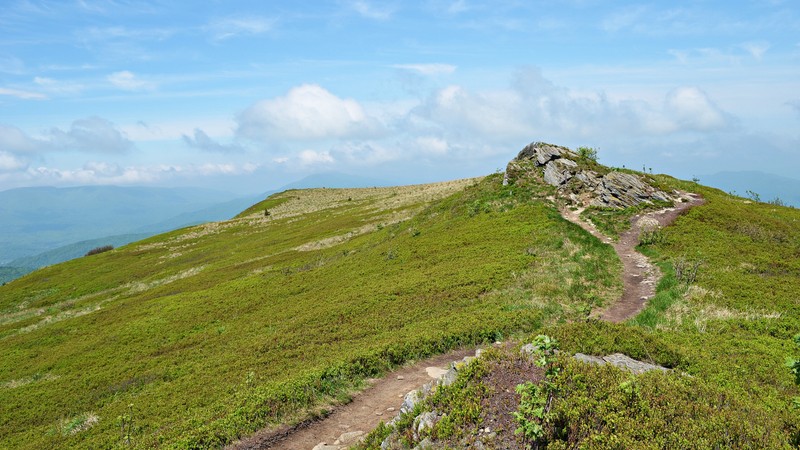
726 335
198 336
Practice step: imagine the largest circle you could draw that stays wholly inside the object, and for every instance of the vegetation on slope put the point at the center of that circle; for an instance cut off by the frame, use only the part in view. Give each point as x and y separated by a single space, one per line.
726 334
199 336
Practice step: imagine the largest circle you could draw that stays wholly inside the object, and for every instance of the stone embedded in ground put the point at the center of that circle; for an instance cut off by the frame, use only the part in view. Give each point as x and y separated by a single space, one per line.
449 377
435 372
411 399
349 438
621 361
626 362
425 421
324 446
589 359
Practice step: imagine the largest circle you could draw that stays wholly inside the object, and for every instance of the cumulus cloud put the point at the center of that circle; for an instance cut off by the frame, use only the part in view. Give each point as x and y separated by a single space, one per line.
93 134
307 112
11 163
691 109
128 81
311 157
203 142
431 145
427 69
14 140
534 106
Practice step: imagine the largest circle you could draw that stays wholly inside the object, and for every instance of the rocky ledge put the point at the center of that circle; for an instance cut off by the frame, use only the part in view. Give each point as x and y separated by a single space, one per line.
583 182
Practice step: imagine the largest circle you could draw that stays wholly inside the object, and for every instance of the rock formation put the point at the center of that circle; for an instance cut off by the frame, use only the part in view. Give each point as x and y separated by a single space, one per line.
585 183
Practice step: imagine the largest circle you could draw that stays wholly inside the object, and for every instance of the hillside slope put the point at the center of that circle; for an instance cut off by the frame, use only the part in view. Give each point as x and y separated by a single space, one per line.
199 336
722 321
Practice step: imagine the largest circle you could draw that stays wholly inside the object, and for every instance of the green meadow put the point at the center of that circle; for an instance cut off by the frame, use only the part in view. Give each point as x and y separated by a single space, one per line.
194 338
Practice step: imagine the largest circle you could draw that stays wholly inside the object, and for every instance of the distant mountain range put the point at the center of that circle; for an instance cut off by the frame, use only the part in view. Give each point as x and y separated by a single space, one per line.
768 186
34 220
42 226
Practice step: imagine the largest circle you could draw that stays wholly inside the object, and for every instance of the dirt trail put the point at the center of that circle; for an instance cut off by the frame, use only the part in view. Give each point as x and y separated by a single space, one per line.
379 402
382 399
639 275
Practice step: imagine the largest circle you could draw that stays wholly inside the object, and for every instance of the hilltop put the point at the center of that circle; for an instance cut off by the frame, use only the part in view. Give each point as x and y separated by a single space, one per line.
200 336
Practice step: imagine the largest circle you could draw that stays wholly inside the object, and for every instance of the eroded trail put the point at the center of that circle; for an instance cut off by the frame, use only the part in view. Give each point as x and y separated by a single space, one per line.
639 275
379 402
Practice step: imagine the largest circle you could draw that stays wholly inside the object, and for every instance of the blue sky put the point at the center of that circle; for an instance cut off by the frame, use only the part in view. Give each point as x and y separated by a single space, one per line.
246 96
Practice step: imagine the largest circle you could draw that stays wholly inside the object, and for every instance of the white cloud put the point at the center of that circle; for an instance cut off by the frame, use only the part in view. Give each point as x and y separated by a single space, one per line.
693 110
95 172
307 112
311 157
369 153
623 19
11 163
535 107
56 86
24 95
14 140
203 142
128 81
427 69
430 144
368 10
93 134
756 49
239 26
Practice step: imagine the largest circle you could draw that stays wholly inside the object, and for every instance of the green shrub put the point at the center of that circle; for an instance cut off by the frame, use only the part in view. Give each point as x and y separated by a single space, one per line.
102 249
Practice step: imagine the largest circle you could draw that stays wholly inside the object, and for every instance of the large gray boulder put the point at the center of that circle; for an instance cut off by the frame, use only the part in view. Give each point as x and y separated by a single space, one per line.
562 168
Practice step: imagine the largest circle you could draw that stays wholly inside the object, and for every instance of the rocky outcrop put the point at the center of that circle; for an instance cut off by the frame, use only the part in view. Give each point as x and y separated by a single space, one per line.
582 182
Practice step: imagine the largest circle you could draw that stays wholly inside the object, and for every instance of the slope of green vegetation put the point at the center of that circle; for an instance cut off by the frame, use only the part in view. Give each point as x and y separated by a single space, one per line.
199 336
725 332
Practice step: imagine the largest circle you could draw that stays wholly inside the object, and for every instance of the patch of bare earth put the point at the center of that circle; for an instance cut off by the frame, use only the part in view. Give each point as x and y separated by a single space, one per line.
503 377
639 275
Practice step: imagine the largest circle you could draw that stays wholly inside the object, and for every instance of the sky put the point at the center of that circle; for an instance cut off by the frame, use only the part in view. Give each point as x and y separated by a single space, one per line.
248 96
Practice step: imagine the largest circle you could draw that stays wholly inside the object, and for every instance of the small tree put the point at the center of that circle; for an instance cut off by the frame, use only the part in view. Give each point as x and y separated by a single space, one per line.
752 195
587 153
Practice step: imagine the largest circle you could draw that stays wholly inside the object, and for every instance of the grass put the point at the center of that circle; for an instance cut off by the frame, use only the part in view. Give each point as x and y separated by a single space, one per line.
732 328
726 335
202 335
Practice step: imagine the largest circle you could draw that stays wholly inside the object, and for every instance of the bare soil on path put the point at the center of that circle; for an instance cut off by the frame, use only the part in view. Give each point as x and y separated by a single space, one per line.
379 402
382 399
639 275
